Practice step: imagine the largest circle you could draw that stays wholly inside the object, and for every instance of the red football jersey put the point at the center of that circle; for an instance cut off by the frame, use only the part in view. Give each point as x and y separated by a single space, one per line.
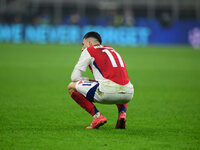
108 63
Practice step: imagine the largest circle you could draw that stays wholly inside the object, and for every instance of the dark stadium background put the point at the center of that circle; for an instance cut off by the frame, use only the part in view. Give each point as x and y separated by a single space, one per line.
135 22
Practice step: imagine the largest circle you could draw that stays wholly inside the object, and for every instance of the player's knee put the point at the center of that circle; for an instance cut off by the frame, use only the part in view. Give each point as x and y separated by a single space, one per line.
71 87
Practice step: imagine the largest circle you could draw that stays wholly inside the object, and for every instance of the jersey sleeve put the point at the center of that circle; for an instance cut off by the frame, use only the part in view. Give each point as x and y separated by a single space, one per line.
81 66
77 75
83 61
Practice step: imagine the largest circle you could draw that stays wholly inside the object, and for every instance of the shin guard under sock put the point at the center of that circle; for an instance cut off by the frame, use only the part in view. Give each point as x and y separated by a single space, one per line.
84 103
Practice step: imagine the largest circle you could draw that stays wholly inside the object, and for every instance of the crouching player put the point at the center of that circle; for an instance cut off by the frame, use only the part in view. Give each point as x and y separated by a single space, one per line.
111 84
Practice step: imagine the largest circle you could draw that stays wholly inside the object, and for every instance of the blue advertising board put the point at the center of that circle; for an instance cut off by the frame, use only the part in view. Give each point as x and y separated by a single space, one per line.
64 34
145 32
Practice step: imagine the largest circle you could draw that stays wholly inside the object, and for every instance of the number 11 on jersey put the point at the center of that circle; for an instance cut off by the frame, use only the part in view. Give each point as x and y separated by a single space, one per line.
112 59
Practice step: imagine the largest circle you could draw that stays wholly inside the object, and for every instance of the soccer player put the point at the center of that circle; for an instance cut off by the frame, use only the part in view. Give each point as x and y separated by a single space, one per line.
111 84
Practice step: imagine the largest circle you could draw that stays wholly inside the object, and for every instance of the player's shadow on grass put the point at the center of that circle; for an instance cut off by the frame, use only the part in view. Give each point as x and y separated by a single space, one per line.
147 132
136 131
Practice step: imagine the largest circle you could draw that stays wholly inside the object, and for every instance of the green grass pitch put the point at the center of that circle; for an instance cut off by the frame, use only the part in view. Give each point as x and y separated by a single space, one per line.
37 113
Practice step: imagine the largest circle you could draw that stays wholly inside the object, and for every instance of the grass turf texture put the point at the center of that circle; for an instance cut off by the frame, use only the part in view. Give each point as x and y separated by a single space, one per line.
36 111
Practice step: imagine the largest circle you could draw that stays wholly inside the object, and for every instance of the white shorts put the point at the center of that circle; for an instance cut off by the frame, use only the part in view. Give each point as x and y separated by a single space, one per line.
105 92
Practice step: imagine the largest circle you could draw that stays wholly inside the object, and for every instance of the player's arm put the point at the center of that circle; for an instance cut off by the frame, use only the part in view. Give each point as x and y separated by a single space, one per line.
81 66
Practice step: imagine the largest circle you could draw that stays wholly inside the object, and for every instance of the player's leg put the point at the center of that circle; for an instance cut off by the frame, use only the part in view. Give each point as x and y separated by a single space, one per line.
121 121
118 99
83 96
81 100
121 107
108 98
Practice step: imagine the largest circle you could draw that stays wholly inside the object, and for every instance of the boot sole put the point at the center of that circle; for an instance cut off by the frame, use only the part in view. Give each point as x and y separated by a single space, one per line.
122 124
101 124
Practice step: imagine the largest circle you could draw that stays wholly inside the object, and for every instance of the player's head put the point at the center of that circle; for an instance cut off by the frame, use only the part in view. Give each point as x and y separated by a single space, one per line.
90 39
